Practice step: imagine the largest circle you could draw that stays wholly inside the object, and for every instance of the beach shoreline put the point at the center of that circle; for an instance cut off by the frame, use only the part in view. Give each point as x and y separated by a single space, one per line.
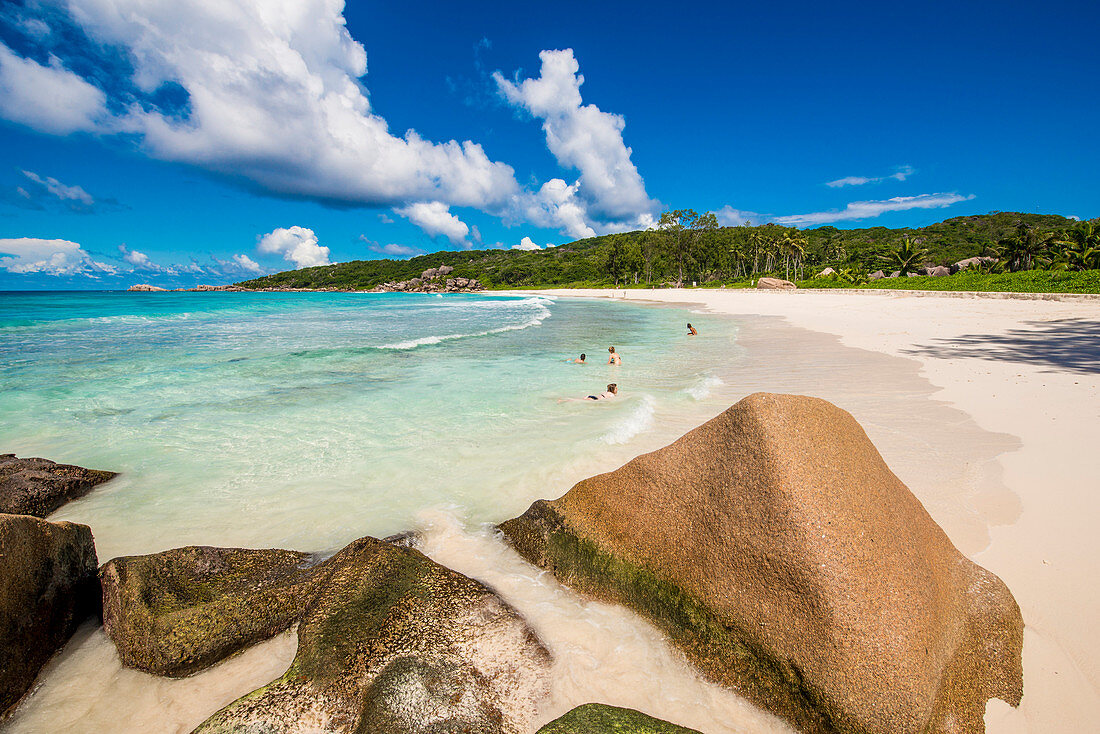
1029 367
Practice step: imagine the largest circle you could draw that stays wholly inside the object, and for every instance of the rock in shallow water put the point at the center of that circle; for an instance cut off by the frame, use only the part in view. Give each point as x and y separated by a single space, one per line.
779 552
598 718
177 612
39 486
47 587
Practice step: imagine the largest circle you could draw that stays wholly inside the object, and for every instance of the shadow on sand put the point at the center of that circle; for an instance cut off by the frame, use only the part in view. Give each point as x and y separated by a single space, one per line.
1070 345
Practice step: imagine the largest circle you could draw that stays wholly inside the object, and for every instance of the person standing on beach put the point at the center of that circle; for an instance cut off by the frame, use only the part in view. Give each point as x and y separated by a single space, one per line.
692 331
614 358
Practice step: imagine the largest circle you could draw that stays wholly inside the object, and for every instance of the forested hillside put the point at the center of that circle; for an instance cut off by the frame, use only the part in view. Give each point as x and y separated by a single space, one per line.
688 247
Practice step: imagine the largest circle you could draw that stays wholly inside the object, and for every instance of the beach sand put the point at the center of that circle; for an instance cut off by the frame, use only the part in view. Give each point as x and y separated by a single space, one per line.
1029 368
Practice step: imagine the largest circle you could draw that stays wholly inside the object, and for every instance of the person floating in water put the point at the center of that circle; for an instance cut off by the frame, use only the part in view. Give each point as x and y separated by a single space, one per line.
614 358
692 331
612 391
576 361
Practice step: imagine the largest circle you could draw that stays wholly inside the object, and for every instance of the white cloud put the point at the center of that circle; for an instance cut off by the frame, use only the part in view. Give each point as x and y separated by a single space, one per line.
297 245
610 192
54 257
902 173
247 264
395 250
48 98
435 218
275 98
730 217
60 190
526 244
868 209
139 260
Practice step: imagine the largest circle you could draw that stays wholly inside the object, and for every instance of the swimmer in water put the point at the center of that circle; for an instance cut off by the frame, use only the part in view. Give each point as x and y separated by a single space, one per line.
612 391
576 361
692 331
614 358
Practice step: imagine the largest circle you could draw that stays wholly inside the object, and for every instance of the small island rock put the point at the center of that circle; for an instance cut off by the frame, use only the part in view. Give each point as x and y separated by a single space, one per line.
779 552
47 587
39 486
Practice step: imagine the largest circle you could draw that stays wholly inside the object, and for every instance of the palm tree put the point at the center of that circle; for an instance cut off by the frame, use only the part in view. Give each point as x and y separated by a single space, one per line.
1026 249
1080 247
792 246
907 257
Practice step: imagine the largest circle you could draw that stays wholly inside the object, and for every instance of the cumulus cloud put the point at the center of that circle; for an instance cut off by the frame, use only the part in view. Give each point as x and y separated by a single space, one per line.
53 257
297 245
271 93
730 217
273 97
49 98
610 192
394 250
247 264
139 260
869 209
435 218
902 173
526 244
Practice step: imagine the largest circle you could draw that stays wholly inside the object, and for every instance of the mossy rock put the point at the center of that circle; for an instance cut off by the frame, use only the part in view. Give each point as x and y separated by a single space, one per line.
47 587
38 487
599 718
177 612
779 552
393 643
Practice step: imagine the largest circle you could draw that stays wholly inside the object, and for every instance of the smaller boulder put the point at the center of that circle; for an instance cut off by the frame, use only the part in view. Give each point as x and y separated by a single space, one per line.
775 284
445 270
598 718
429 273
177 612
462 282
39 486
876 275
939 271
826 273
895 274
48 588
914 275
971 262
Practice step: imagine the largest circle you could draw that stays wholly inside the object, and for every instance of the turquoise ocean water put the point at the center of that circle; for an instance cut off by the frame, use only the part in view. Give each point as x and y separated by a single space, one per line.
305 420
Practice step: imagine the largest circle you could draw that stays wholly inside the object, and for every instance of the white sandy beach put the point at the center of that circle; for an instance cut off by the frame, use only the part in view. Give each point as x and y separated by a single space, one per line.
1026 367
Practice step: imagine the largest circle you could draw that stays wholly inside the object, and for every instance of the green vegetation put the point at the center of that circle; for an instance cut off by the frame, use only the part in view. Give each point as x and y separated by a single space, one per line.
1026 253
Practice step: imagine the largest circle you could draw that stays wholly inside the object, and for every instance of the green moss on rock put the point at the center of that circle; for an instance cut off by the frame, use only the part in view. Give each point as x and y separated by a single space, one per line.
598 718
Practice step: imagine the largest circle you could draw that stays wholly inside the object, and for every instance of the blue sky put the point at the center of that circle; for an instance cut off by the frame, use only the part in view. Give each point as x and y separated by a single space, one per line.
211 140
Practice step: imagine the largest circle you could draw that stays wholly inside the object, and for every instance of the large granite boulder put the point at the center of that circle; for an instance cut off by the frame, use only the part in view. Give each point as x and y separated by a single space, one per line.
176 612
47 587
393 643
776 548
598 718
775 284
39 486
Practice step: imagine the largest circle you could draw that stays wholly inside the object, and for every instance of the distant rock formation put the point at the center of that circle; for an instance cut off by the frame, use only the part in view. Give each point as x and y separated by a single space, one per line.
47 587
599 718
39 486
387 638
777 550
775 284
145 288
972 262
177 612
432 280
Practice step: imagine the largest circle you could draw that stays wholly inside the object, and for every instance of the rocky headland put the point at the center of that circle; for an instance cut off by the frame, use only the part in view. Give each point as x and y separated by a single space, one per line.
772 545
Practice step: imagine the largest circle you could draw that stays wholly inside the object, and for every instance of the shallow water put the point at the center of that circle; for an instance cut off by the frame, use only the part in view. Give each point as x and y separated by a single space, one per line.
307 420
